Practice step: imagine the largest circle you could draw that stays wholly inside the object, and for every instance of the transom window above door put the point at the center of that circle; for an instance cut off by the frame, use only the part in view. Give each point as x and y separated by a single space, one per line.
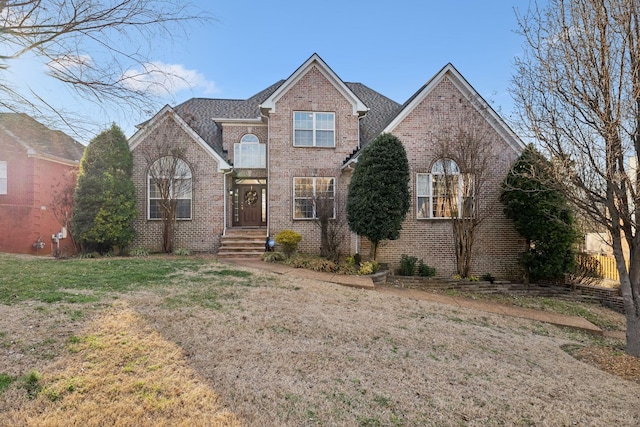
313 129
249 153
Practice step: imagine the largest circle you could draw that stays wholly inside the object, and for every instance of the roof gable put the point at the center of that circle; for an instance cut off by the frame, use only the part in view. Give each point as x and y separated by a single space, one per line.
269 104
461 84
40 141
165 112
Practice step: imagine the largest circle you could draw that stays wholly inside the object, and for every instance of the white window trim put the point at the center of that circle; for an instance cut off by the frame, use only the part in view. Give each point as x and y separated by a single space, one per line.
149 198
237 152
314 178
315 129
430 196
4 177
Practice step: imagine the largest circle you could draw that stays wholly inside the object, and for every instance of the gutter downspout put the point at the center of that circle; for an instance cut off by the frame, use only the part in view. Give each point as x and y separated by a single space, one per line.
224 203
268 154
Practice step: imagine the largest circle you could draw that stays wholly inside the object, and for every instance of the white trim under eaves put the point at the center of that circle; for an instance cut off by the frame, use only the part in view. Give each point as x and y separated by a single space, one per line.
450 72
167 111
240 122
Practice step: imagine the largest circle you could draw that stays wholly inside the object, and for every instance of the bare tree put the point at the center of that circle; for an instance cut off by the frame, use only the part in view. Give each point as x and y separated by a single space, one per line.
170 187
332 220
577 87
62 201
465 140
101 49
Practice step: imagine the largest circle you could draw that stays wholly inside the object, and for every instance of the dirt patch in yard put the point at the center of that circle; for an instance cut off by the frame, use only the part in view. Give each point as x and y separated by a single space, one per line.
288 352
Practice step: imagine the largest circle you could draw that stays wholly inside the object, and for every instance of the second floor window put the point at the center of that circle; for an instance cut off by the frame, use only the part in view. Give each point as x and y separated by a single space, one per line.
249 153
313 129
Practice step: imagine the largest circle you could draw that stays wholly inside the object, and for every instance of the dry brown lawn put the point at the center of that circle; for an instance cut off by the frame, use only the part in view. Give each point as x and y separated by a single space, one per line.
291 352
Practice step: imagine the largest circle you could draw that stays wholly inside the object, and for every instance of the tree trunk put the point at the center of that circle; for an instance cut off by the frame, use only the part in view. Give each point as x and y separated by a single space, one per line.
324 238
629 286
374 250
633 332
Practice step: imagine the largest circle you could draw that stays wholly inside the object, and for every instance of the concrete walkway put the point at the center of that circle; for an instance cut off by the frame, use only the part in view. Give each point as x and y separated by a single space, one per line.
363 282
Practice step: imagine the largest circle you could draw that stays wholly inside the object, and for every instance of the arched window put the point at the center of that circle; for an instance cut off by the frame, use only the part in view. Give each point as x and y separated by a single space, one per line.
249 153
170 189
445 192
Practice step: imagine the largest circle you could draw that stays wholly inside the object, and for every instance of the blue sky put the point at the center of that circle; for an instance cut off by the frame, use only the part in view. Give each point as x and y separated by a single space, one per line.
392 47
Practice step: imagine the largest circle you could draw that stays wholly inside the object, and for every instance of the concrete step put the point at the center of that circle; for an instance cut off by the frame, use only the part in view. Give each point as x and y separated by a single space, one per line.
242 243
236 254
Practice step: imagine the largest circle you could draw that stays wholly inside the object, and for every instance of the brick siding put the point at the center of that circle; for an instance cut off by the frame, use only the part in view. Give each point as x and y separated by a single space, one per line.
313 92
498 245
25 211
201 233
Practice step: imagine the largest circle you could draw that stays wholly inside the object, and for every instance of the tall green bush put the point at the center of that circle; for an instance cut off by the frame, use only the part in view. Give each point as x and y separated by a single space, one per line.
542 215
378 198
104 205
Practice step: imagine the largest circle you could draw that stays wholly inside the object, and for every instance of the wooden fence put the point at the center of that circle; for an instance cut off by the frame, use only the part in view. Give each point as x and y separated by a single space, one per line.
608 267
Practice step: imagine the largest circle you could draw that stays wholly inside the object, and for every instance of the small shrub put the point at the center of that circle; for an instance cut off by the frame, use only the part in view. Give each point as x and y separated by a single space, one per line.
182 252
288 241
407 265
347 268
322 264
297 261
273 257
86 255
424 270
488 277
365 268
369 267
31 383
140 252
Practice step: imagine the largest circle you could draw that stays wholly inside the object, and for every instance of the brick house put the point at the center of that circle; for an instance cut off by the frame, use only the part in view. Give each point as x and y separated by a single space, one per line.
34 162
257 163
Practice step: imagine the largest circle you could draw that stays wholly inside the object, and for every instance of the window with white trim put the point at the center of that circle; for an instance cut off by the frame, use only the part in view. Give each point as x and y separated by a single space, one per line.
169 186
313 129
445 192
311 195
3 177
249 153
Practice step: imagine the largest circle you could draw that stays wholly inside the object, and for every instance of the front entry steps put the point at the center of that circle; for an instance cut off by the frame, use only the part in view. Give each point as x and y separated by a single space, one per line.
243 243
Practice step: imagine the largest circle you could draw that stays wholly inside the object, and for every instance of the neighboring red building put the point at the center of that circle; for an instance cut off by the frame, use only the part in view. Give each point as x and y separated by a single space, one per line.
35 162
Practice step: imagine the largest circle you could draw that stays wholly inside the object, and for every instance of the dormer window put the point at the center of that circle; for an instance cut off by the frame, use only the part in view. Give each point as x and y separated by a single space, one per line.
311 129
249 153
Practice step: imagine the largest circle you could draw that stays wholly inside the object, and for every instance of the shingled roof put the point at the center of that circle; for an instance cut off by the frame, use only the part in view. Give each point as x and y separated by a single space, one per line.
381 111
39 140
199 113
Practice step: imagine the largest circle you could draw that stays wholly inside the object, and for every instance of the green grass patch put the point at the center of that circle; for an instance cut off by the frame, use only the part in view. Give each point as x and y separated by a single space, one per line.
31 384
5 381
229 273
52 281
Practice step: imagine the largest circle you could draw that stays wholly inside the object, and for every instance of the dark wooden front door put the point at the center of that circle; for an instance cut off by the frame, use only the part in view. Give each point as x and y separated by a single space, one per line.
250 209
